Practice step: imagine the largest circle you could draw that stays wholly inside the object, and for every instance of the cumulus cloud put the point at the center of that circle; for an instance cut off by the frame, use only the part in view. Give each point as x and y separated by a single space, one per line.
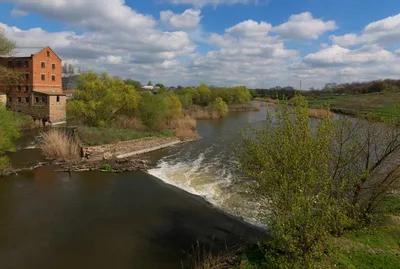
189 19
200 3
303 26
250 28
383 32
336 56
110 36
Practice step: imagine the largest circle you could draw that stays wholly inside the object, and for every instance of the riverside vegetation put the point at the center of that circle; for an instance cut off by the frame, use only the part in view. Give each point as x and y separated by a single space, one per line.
108 109
331 189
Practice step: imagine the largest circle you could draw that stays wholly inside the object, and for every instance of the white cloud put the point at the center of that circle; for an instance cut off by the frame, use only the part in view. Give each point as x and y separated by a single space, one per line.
109 36
189 19
303 26
383 32
337 55
250 28
201 3
18 13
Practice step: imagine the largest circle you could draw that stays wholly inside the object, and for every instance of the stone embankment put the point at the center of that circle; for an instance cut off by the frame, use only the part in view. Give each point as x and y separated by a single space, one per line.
125 149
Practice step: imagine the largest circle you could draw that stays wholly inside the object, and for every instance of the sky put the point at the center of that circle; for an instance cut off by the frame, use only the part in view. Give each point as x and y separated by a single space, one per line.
256 43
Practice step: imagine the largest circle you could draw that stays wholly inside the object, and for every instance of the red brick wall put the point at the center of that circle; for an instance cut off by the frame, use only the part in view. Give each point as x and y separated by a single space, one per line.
48 84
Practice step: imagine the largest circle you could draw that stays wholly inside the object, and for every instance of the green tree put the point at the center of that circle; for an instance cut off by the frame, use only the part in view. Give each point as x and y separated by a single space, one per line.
203 96
219 105
174 107
134 83
7 75
99 99
289 161
9 132
153 109
149 83
160 85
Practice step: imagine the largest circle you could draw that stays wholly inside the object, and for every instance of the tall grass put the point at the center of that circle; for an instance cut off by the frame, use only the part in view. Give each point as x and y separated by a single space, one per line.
319 113
184 128
200 113
57 145
124 122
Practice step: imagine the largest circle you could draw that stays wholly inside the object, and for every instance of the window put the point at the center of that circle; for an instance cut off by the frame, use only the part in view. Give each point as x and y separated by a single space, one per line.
43 64
48 53
19 99
53 66
43 77
26 64
58 98
19 88
18 63
44 99
10 64
26 76
27 88
10 99
26 99
53 78
37 99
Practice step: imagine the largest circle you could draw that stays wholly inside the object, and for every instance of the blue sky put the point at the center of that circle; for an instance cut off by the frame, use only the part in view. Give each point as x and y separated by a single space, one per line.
260 43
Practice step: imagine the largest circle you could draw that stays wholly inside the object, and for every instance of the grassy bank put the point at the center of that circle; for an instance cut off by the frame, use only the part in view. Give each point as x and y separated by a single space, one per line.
381 104
99 136
374 246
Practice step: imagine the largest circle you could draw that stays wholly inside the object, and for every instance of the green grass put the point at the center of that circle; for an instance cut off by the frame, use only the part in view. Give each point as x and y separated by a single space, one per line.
100 136
380 104
376 246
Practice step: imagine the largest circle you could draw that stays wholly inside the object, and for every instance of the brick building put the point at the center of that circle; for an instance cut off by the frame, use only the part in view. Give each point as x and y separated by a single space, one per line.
39 92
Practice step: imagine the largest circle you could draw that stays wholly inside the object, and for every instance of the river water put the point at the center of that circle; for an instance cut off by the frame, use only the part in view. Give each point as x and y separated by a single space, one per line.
130 220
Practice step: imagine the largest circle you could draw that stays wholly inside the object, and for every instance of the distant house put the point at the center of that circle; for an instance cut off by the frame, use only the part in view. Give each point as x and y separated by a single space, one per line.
153 89
39 91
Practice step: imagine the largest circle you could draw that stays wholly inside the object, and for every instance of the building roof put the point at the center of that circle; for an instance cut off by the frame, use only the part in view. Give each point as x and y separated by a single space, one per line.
49 92
26 52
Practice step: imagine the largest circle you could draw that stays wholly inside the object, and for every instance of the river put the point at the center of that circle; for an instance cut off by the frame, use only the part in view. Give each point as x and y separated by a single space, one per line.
130 220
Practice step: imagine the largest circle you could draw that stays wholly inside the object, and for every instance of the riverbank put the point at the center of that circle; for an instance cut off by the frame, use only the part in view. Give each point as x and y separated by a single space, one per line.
373 246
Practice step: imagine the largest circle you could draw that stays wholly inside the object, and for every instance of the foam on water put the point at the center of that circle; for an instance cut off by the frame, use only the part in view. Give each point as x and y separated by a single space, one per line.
207 176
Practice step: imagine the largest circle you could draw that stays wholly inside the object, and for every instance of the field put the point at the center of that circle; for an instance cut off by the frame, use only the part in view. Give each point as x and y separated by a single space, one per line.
380 104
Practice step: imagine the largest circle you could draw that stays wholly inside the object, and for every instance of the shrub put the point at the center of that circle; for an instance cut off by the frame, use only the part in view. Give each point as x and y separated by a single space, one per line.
9 132
57 145
153 109
290 163
125 122
219 106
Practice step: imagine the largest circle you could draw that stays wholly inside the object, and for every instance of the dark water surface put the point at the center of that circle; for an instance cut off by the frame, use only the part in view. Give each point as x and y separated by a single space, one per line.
98 220
129 220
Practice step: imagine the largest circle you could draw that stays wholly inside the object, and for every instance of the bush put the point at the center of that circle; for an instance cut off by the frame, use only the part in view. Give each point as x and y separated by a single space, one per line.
219 106
153 110
290 163
9 132
57 145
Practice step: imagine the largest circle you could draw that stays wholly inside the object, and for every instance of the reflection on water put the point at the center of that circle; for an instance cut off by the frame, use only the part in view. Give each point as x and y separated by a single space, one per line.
207 167
98 220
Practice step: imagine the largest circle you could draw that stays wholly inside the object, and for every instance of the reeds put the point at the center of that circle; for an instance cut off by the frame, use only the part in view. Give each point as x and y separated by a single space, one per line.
57 145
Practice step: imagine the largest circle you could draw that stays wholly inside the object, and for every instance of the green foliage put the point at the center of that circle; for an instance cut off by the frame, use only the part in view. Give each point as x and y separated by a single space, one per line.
153 109
391 205
290 163
107 167
134 83
219 105
174 107
160 85
8 76
203 96
9 132
186 99
99 99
